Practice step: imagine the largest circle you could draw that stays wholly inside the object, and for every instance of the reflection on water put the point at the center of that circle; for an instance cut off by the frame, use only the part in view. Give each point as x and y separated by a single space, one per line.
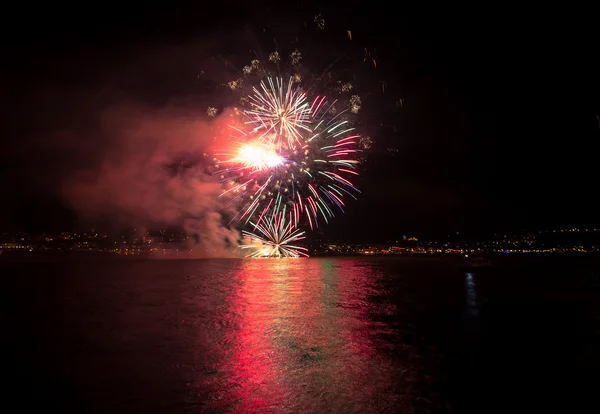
318 335
299 337
471 292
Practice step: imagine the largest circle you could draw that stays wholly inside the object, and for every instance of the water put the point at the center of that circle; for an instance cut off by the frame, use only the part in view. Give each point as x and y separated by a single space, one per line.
351 335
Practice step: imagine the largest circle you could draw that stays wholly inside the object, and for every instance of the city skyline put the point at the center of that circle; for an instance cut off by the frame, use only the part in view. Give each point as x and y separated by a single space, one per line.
156 243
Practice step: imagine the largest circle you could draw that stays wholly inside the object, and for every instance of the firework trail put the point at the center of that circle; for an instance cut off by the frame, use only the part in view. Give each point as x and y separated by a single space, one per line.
273 237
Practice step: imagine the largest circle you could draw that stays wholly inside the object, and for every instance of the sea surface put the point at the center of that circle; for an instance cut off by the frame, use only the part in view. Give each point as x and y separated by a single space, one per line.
319 335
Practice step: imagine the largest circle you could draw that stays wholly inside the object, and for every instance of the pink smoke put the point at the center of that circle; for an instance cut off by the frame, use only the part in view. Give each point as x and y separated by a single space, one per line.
131 184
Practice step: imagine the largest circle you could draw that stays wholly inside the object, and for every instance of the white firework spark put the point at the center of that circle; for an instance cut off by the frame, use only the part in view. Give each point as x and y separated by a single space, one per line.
279 113
211 111
274 57
273 238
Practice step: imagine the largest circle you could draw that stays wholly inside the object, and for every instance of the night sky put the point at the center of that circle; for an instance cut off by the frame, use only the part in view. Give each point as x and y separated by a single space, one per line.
498 129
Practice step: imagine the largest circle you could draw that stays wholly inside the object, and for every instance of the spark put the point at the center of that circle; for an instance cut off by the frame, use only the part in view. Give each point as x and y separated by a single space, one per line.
366 142
344 86
274 57
370 56
295 57
211 111
235 84
253 66
320 21
355 104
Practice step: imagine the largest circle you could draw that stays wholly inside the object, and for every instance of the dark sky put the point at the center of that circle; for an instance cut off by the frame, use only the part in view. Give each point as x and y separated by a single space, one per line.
498 128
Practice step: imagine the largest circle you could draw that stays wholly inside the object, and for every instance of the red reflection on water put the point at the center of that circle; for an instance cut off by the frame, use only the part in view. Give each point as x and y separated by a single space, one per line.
251 383
301 338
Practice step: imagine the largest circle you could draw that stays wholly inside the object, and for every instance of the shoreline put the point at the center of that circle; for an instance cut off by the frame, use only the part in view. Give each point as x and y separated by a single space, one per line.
7 257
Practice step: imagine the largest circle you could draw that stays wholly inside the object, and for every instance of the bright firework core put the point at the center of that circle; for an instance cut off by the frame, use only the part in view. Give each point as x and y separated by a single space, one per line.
258 157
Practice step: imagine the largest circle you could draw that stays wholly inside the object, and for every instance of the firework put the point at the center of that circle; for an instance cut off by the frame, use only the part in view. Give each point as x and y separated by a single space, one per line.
366 142
311 180
279 113
255 157
212 112
274 57
320 21
354 104
292 156
273 237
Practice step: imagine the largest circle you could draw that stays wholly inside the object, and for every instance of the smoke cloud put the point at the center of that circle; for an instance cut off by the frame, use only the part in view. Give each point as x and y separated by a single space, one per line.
118 136
152 174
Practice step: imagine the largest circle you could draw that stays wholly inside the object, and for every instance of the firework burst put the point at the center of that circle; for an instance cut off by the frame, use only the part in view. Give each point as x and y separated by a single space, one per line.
311 180
279 113
292 156
274 237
